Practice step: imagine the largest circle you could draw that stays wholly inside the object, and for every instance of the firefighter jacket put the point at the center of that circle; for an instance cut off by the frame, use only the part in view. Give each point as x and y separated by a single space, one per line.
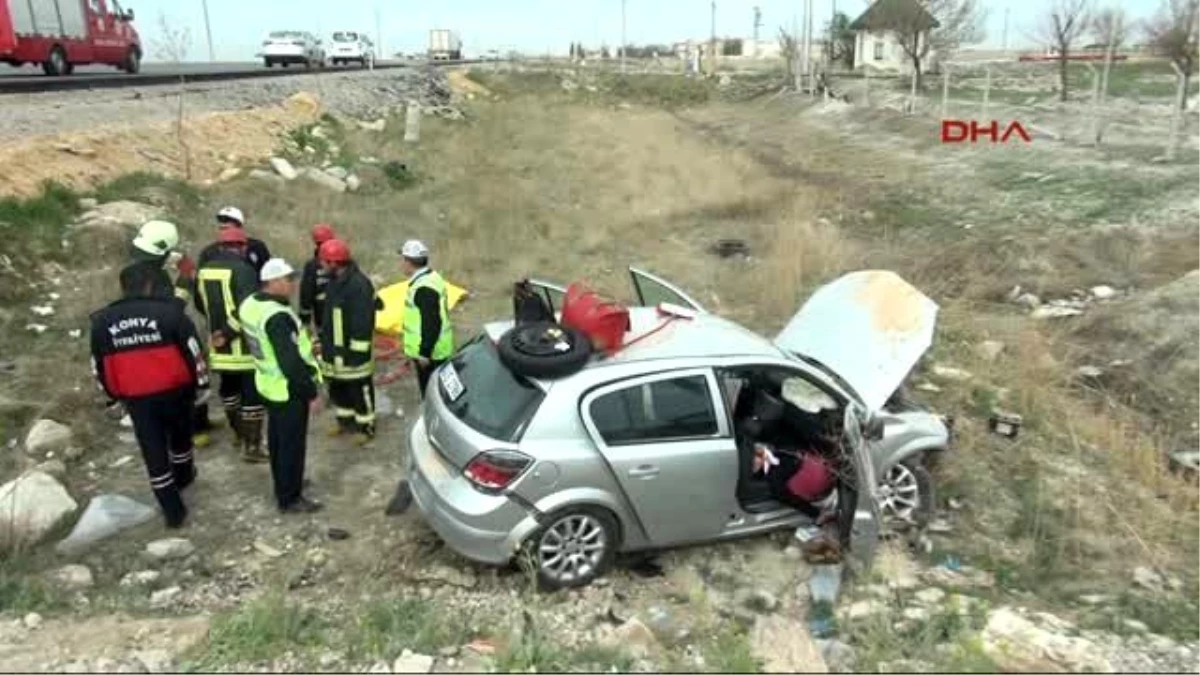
348 325
145 346
222 283
427 331
313 282
256 253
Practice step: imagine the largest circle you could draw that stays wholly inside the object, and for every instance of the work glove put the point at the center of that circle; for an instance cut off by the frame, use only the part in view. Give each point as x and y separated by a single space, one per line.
186 267
218 339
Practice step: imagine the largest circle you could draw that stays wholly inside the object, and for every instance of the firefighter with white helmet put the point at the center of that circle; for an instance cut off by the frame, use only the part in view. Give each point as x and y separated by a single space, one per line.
256 251
428 336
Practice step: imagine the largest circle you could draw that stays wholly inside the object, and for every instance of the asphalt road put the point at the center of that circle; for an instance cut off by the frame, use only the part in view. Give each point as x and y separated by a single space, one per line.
158 70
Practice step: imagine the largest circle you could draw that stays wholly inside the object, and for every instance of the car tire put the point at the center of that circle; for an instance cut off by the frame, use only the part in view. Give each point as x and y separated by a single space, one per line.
908 492
133 61
531 350
56 62
573 531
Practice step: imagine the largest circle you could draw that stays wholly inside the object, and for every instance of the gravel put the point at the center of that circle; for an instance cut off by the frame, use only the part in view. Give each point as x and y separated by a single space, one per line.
366 95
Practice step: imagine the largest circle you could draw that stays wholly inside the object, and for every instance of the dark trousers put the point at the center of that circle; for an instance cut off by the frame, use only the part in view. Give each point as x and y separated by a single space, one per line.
354 403
424 373
162 425
287 442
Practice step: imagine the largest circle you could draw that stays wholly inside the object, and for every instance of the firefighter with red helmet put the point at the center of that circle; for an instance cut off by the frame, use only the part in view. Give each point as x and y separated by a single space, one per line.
346 341
223 281
146 354
314 279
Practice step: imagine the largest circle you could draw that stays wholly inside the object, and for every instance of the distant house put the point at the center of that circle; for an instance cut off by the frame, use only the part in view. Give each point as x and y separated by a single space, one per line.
876 44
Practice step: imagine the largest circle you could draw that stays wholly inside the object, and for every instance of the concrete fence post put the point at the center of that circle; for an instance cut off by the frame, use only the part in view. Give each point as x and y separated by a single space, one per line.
945 90
1177 113
412 122
912 94
1094 134
987 90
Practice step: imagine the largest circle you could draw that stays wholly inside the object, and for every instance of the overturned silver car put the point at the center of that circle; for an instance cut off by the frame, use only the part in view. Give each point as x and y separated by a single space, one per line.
653 446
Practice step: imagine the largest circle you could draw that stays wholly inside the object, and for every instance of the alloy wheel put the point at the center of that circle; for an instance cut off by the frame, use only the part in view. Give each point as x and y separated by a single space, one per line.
900 494
572 548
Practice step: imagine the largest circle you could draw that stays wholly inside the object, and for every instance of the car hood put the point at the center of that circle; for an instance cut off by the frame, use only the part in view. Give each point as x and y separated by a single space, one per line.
870 328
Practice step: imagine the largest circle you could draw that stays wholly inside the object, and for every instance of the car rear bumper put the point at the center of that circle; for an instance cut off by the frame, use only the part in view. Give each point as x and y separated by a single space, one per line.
476 526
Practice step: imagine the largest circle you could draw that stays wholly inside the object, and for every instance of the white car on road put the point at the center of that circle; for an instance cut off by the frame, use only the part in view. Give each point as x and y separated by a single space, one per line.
285 47
352 47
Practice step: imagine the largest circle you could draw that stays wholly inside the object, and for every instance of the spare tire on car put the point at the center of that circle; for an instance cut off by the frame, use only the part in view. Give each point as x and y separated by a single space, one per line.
544 349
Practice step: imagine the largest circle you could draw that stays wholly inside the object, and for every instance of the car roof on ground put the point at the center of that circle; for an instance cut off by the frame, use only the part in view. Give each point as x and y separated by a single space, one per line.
652 336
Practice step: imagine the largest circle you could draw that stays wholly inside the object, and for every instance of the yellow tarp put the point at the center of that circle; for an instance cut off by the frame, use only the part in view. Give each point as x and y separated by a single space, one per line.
390 319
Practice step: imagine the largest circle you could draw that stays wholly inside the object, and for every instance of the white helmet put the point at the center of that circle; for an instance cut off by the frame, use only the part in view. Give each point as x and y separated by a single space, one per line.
414 249
231 213
157 237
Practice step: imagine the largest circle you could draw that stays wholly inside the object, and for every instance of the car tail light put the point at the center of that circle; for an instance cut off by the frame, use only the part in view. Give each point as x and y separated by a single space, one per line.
495 470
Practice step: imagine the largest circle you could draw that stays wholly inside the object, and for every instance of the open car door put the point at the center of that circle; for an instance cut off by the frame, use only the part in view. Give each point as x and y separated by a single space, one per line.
651 291
552 293
858 521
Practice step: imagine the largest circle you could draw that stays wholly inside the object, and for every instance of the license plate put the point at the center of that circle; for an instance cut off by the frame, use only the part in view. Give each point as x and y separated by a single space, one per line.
450 382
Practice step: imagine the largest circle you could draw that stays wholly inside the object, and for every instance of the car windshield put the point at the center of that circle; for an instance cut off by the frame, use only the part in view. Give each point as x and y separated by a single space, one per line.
495 401
286 35
345 37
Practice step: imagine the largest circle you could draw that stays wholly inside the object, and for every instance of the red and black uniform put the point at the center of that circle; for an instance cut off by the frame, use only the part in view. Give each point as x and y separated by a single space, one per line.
224 279
146 354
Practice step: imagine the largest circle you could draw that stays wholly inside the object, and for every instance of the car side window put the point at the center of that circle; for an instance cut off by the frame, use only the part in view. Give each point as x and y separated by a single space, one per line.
653 411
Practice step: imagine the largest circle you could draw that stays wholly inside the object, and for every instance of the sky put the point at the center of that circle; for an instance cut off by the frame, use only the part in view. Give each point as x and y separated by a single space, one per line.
530 26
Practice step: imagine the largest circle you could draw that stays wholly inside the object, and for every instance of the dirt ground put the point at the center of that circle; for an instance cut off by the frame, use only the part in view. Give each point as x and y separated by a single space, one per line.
566 191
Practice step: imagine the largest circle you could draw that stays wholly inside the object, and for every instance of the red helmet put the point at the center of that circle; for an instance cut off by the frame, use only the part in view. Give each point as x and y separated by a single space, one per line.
231 235
321 233
334 251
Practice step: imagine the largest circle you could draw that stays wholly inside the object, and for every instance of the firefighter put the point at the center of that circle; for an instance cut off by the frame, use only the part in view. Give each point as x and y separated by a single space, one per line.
314 280
346 341
428 336
155 244
286 375
223 281
256 250
146 354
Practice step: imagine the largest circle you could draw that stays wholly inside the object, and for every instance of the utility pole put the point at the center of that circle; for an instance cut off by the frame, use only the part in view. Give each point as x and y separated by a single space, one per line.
623 42
757 25
378 36
802 45
796 77
712 42
808 50
212 56
1006 29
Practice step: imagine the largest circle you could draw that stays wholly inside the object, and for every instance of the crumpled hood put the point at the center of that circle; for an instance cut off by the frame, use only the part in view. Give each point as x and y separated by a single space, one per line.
869 327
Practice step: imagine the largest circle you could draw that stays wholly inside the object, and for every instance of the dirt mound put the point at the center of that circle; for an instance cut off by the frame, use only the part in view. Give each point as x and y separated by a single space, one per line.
1149 345
208 145
462 85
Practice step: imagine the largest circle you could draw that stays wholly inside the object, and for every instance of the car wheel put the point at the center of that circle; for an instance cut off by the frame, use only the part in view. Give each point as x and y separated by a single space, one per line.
572 548
544 349
906 493
56 62
133 61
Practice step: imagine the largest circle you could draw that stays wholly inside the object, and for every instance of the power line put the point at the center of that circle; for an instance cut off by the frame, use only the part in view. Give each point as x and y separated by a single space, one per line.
208 31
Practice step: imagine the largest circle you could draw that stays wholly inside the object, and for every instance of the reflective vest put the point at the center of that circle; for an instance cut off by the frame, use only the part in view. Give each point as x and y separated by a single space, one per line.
268 376
216 286
444 347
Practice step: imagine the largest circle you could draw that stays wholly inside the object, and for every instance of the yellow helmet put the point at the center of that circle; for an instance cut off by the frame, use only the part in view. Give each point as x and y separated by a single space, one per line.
157 237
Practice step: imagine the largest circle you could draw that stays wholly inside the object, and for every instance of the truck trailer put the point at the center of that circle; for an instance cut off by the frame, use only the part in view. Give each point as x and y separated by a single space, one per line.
444 45
61 34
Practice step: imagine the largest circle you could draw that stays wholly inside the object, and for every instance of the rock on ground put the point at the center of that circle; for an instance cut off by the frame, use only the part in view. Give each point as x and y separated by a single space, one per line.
412 663
73 577
325 180
105 516
284 168
785 646
47 436
1021 644
169 549
30 507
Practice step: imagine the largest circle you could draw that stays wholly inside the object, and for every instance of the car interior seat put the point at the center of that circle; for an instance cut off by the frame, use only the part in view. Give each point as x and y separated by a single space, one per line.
760 419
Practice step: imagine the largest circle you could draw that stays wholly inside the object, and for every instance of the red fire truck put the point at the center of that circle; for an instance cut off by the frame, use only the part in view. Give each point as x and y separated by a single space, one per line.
62 34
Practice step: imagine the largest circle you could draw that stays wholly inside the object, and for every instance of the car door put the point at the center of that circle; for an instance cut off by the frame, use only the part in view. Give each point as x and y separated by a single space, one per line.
667 440
651 290
861 524
552 293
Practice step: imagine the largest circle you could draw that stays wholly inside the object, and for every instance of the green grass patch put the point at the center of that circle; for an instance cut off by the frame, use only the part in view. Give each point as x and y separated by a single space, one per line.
385 627
143 186
655 90
947 640
729 652
259 631
45 215
1176 616
23 591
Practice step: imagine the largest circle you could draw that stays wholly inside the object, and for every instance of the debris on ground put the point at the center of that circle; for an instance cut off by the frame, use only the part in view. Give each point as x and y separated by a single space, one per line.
31 506
47 436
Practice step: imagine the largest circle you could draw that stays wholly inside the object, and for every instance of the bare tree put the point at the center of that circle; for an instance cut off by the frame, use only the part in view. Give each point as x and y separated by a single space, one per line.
173 46
1173 33
926 27
1109 28
1062 27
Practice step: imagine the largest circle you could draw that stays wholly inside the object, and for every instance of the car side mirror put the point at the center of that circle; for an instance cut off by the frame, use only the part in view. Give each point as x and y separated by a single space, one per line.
873 429
129 15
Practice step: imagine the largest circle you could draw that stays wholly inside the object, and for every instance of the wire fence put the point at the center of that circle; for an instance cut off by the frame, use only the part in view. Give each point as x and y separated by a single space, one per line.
1092 116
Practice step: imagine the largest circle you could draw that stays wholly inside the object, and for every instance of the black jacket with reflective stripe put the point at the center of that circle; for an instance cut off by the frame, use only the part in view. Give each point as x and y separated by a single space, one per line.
348 324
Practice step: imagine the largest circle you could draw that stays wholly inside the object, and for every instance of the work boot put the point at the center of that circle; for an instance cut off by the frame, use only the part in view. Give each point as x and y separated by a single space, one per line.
252 450
302 505
337 429
201 440
364 435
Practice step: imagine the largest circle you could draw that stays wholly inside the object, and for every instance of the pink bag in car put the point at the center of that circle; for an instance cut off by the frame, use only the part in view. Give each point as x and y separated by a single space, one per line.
813 481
